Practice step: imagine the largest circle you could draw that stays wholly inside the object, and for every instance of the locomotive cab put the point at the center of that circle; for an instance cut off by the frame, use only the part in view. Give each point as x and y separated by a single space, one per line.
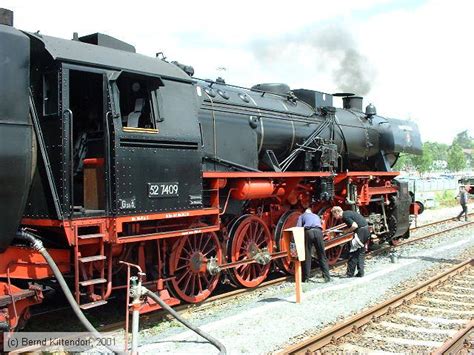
111 140
71 110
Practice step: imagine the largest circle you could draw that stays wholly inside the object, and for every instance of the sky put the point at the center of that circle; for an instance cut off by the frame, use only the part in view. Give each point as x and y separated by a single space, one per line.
411 59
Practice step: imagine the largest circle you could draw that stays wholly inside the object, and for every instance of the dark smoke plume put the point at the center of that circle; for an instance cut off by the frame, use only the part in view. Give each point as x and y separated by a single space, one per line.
332 46
354 73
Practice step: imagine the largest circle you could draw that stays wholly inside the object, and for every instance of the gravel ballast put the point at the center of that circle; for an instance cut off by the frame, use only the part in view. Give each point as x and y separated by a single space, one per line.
267 320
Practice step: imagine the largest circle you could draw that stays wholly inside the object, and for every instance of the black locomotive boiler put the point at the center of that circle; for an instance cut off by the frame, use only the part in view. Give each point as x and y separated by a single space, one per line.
107 155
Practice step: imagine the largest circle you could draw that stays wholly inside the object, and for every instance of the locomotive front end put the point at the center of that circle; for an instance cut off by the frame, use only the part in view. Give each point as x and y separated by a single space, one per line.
401 136
17 158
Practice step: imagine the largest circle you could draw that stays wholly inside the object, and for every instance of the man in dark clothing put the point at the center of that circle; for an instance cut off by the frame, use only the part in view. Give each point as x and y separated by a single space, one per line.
356 223
313 235
462 195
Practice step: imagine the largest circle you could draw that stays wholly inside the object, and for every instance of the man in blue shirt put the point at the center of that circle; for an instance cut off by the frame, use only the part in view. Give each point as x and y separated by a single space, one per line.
313 236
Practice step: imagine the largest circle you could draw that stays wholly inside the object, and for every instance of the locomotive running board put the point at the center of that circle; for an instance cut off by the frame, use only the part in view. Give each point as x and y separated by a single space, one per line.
265 174
177 233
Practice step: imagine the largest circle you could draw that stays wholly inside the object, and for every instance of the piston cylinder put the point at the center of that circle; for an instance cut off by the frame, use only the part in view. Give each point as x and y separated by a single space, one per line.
255 189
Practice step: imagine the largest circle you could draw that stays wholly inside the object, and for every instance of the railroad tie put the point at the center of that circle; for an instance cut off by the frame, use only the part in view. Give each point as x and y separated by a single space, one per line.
454 303
348 348
469 282
452 294
402 341
436 310
437 320
462 288
412 329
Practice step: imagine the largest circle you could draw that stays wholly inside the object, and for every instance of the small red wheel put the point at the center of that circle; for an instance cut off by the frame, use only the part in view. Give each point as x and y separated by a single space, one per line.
188 264
328 221
287 220
334 254
248 236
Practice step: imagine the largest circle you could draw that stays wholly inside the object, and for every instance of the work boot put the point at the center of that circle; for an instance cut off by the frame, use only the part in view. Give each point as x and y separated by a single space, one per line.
327 279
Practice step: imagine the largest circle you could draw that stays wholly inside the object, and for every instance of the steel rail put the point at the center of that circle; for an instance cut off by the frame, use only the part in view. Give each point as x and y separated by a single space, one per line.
330 335
416 239
408 241
457 342
451 219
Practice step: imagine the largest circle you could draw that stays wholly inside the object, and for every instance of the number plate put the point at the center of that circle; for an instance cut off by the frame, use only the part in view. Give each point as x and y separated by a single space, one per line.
163 189
127 203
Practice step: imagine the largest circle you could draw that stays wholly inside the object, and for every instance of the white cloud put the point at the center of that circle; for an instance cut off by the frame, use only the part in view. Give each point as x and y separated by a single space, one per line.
424 61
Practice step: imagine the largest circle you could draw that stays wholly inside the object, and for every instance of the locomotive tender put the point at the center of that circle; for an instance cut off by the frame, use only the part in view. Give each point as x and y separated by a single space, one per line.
110 155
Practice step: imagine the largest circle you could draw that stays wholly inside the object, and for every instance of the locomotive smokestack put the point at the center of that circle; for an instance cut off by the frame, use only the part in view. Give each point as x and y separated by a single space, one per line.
352 103
6 17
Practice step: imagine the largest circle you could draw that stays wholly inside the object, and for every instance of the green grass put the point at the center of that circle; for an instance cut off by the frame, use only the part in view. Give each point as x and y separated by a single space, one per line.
446 198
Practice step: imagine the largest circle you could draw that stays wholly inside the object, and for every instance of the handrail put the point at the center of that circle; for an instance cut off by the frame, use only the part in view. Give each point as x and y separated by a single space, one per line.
44 154
71 160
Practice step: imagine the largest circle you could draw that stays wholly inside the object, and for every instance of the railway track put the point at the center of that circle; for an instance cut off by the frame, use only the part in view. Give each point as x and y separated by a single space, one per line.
451 219
159 315
156 316
461 343
420 320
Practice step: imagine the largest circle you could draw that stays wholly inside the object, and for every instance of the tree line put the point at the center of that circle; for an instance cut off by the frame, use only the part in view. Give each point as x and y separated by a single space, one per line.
458 156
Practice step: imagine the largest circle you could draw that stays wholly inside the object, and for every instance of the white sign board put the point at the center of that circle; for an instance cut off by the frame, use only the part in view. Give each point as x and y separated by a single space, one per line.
298 236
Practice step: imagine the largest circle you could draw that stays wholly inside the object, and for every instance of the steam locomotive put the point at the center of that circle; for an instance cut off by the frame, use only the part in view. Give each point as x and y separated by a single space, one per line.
107 155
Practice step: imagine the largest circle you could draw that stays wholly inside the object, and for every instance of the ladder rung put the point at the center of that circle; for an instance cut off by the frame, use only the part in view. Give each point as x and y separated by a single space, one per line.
93 304
90 236
92 282
89 259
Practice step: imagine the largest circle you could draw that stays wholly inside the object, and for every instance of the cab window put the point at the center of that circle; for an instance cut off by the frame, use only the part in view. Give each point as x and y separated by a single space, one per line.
138 104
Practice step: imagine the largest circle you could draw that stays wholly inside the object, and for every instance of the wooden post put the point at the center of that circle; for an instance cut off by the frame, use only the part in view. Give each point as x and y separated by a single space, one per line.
298 280
293 240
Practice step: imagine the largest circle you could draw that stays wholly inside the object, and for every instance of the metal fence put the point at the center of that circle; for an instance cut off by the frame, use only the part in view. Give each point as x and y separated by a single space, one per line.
434 185
425 190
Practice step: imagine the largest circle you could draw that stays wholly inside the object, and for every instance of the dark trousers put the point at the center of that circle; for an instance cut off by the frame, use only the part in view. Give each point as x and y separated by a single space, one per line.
357 257
464 211
356 261
315 237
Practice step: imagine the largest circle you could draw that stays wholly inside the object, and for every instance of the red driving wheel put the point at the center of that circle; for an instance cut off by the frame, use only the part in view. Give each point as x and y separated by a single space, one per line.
287 220
248 236
192 282
329 221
